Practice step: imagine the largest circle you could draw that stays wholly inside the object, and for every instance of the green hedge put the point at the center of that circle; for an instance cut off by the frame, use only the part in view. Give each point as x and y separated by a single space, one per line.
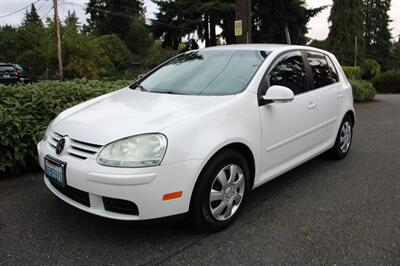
388 82
363 91
370 69
352 72
26 111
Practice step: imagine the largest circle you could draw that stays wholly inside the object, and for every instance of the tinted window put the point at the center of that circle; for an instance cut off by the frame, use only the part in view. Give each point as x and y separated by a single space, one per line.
290 72
222 72
324 73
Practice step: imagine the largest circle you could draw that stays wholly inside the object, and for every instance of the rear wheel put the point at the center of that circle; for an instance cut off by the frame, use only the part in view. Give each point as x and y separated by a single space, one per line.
343 139
221 191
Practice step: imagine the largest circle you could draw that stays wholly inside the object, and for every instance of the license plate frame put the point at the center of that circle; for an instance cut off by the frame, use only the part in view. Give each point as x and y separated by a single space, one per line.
55 170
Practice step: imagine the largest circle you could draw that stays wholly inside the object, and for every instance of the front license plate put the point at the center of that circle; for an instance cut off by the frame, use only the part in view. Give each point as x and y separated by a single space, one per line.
6 76
55 170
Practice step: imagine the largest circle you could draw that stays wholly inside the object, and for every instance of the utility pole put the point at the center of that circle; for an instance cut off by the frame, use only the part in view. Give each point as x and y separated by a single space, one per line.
59 56
243 20
355 51
287 33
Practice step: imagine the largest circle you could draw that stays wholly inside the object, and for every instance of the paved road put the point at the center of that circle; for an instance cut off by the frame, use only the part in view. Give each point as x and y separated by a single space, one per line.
323 212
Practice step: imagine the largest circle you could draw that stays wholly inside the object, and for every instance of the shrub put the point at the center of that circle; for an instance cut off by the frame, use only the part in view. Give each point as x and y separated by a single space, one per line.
352 72
26 111
156 55
370 69
363 91
388 82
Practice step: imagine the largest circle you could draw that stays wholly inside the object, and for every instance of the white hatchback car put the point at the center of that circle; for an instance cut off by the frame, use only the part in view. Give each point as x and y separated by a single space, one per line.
198 133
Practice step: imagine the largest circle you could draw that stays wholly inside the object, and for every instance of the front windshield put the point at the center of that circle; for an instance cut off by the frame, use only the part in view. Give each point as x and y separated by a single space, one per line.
199 72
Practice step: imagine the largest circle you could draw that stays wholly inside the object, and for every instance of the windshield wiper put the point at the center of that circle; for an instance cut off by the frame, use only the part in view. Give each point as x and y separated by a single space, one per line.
168 92
140 87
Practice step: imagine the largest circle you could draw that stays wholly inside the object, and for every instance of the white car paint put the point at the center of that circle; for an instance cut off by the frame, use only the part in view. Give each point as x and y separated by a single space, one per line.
280 136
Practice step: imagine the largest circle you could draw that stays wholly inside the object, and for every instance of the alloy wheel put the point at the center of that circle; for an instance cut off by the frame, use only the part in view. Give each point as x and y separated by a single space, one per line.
227 192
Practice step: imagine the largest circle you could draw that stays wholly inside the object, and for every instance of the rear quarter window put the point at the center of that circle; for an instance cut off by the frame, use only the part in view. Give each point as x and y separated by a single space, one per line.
323 71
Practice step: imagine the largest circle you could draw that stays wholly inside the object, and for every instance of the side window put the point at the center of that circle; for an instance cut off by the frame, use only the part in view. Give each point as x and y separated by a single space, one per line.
333 72
323 71
289 72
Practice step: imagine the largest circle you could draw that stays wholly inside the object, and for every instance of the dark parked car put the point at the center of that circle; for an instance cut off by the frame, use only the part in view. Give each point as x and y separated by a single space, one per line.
12 73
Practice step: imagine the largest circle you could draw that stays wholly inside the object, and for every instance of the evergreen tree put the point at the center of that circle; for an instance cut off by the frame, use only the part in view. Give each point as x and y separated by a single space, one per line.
270 18
397 54
377 34
113 16
32 18
347 25
180 17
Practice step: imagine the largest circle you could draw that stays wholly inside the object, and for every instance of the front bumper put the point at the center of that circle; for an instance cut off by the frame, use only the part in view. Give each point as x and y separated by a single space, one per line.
144 187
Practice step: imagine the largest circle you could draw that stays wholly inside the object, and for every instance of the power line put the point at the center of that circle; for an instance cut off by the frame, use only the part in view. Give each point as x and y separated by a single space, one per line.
18 10
47 12
122 15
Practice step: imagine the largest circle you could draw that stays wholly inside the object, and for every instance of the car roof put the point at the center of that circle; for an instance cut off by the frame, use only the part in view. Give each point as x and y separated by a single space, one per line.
263 47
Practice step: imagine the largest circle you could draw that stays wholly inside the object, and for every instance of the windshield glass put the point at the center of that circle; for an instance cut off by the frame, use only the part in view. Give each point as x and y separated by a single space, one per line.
205 73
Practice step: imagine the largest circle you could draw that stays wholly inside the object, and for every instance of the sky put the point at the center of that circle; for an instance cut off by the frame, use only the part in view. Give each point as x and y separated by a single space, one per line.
318 26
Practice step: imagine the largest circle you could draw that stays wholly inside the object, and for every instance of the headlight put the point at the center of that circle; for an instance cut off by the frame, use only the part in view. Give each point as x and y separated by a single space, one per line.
137 151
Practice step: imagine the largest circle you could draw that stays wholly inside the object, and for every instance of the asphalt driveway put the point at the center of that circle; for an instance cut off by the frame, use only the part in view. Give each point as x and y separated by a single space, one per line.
323 212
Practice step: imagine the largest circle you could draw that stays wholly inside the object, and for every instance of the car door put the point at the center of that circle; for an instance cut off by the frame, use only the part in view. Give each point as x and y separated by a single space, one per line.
327 94
287 128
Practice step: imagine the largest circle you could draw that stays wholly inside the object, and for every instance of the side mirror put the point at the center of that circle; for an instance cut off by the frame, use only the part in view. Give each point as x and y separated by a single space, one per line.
278 94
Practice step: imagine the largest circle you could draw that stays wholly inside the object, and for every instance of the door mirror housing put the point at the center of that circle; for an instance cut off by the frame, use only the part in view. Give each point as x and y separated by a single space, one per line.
278 94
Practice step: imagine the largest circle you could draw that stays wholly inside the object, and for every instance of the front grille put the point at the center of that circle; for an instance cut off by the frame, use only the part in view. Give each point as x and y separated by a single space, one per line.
77 195
78 149
120 206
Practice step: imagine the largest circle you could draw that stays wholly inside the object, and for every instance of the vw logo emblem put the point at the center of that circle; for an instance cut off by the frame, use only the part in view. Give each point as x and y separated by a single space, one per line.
60 146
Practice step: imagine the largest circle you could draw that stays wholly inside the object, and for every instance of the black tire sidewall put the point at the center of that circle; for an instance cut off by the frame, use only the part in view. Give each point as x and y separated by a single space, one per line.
336 149
201 208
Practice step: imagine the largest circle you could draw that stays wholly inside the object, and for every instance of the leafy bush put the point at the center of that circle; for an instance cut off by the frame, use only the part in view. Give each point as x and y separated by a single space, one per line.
156 55
363 91
116 50
352 72
388 82
370 69
26 111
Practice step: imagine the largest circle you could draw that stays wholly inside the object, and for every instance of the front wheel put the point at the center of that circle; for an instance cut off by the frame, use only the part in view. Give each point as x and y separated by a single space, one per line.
221 191
343 139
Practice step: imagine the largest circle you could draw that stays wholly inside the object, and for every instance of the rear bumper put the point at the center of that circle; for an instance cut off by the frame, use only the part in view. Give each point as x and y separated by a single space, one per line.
144 187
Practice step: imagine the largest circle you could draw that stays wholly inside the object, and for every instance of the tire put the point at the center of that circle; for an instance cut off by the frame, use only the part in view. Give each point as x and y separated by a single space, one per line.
210 211
343 140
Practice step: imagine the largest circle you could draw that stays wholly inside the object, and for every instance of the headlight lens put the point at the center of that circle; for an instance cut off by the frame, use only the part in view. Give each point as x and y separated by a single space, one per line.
137 151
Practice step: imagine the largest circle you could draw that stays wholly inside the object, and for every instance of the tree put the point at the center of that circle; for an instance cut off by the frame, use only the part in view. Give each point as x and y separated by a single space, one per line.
320 44
347 28
377 34
113 16
270 17
82 55
178 18
116 51
32 18
397 54
138 38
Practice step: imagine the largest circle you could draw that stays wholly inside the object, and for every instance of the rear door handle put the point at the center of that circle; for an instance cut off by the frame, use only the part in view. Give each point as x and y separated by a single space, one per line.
340 95
311 105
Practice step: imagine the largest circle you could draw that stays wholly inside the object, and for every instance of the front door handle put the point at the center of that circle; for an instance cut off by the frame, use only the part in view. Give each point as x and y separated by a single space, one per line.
311 105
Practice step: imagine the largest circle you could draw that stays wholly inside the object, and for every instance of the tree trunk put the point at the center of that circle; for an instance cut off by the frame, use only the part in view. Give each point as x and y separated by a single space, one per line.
213 37
206 32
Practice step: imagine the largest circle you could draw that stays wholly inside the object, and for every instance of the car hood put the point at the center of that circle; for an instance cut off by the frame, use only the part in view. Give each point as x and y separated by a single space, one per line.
128 112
